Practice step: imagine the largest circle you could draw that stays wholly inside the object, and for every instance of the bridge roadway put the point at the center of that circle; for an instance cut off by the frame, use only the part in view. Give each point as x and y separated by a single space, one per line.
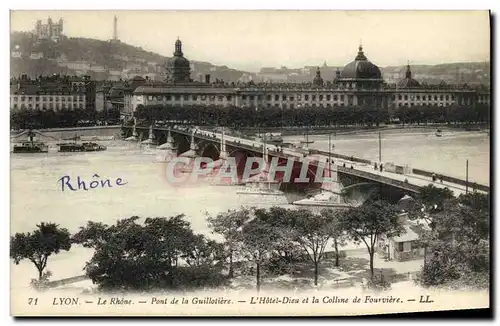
411 182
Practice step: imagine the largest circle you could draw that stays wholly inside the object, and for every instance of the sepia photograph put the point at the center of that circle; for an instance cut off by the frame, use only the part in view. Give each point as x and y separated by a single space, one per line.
249 162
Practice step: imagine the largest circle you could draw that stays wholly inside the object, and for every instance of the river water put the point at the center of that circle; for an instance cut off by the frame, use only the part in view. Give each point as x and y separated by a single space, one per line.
418 148
36 194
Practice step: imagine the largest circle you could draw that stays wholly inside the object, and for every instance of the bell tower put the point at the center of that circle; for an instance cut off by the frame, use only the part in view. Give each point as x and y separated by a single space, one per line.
178 48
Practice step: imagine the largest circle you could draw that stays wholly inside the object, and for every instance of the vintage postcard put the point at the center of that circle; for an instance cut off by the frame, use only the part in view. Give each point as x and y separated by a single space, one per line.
249 163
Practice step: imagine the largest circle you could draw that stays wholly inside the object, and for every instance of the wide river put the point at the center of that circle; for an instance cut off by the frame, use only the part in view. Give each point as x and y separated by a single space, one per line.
36 193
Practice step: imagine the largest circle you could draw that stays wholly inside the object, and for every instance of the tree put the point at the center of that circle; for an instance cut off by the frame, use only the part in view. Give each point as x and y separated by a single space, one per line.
459 244
369 221
256 242
281 222
39 245
163 253
338 234
312 232
433 198
204 252
430 201
228 224
91 235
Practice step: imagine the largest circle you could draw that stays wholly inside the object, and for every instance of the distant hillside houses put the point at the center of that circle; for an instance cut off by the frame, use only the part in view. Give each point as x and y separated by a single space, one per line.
104 60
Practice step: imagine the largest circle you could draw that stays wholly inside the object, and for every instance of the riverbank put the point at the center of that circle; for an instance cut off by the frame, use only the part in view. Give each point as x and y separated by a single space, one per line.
115 130
350 130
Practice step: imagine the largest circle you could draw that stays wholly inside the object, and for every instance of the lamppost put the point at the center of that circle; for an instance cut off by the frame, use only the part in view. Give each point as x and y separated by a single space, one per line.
466 176
379 148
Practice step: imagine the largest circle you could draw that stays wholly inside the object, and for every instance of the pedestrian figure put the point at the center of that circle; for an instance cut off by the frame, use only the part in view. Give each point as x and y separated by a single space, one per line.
352 167
375 166
344 164
381 167
433 177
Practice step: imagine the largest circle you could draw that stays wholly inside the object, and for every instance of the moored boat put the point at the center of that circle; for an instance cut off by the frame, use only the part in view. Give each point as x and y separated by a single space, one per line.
83 147
31 147
273 139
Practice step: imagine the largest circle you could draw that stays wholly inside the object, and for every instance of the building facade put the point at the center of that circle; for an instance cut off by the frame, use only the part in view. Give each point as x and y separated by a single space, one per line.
359 83
52 93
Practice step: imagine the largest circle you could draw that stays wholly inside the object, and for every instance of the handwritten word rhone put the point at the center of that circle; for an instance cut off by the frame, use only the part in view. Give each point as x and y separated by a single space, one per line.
96 182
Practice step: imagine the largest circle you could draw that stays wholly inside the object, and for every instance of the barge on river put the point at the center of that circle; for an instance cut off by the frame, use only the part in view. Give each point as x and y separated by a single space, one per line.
80 147
83 147
31 146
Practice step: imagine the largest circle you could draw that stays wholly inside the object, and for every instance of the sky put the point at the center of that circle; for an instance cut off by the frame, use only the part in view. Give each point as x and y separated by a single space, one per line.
249 40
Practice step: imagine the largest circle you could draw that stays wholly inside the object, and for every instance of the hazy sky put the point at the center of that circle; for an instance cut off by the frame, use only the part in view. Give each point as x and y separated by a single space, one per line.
253 39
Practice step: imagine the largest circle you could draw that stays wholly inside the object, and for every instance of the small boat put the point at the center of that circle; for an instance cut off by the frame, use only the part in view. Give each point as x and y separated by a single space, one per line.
438 133
306 139
83 147
324 199
273 139
31 147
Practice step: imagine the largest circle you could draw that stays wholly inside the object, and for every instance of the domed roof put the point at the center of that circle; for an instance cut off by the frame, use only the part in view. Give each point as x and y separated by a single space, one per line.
178 68
178 62
408 82
317 79
361 68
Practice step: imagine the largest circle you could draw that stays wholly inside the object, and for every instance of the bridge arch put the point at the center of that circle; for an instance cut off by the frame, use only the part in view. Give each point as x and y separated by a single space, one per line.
209 149
182 142
357 194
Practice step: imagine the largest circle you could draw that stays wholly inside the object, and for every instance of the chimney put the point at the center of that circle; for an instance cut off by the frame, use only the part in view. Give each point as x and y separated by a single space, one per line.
207 79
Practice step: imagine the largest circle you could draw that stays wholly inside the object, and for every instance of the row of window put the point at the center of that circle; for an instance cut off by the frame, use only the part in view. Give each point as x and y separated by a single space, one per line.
328 105
49 98
291 98
186 97
424 97
50 106
247 97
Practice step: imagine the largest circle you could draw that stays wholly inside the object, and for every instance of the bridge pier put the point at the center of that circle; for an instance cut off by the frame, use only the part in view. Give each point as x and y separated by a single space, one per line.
193 146
167 150
223 151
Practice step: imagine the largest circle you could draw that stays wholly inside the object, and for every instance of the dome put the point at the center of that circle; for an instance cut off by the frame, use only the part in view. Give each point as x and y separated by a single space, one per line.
318 81
178 68
361 68
178 62
408 82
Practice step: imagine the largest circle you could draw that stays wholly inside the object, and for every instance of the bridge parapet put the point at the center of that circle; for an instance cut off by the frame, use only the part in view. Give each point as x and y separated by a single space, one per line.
379 178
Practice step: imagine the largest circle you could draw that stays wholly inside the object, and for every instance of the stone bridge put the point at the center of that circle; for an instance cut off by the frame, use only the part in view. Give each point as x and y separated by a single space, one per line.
348 173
